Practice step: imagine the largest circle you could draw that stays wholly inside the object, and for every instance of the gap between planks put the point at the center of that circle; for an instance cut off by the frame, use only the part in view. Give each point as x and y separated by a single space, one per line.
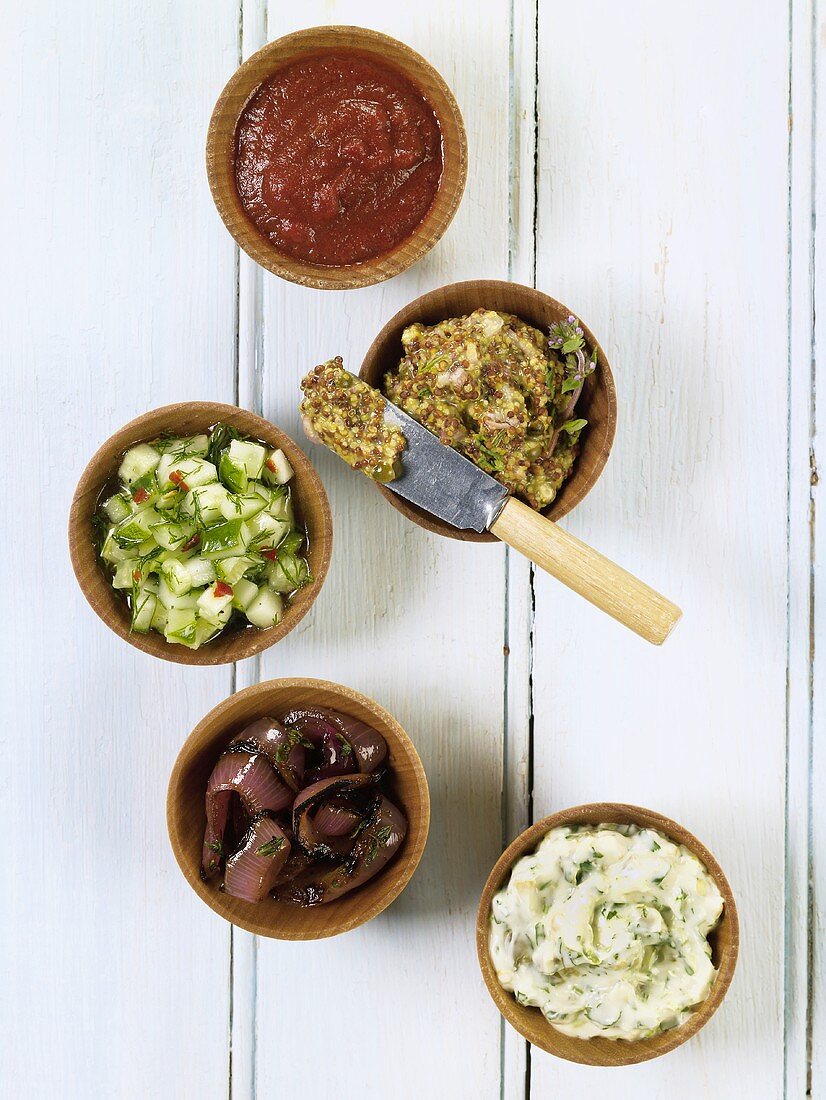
518 639
516 808
799 972
253 33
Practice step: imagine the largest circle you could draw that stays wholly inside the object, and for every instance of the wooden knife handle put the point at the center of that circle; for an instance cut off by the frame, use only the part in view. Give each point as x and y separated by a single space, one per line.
603 583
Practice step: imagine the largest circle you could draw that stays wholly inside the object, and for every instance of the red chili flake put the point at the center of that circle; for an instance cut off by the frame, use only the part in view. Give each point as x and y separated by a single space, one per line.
223 589
140 495
136 576
191 543
270 465
271 554
177 478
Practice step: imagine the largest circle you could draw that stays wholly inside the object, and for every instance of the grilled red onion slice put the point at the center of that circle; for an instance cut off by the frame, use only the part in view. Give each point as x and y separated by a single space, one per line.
297 863
213 849
315 726
252 871
306 887
239 819
313 840
311 722
281 747
335 818
320 769
373 850
367 744
336 759
251 777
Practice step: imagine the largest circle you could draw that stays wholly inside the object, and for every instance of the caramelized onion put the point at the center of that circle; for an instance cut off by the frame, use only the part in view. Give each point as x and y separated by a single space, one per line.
282 747
336 758
251 777
373 850
335 818
294 809
309 836
252 871
311 722
297 863
368 746
239 819
316 727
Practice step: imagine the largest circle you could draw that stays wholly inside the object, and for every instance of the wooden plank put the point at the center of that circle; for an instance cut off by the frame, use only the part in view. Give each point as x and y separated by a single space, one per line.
663 220
817 528
519 640
118 294
663 171
249 385
402 614
801 552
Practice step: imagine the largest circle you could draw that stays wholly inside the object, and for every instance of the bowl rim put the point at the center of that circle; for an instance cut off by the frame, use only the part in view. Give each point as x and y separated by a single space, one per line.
598 1051
403 867
391 51
563 503
92 581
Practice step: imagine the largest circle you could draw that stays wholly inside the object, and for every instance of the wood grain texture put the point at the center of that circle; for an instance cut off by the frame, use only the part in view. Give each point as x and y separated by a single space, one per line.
517 751
597 402
801 992
671 210
406 786
407 612
814 476
243 992
724 941
187 418
587 572
673 191
117 294
221 150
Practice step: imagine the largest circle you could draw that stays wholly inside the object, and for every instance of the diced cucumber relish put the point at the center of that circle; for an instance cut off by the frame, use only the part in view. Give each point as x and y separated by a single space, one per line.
604 928
200 531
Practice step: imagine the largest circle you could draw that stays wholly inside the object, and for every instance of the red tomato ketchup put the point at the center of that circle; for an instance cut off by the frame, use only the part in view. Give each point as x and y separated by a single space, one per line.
338 158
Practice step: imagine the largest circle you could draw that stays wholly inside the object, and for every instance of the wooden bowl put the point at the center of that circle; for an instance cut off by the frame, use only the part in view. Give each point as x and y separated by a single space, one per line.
598 402
530 1022
220 155
186 819
185 419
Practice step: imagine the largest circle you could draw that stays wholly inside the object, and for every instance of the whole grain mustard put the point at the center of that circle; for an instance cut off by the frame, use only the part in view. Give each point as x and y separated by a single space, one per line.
348 416
499 391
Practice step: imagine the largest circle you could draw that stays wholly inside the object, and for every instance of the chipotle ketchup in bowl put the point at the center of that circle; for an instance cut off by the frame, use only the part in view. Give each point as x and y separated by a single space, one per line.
336 157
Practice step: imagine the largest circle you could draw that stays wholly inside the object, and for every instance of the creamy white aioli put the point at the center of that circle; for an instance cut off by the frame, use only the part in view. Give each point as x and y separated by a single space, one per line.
604 928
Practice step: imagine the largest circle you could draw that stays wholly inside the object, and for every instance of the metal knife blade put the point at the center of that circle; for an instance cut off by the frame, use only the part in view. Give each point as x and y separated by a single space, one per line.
442 481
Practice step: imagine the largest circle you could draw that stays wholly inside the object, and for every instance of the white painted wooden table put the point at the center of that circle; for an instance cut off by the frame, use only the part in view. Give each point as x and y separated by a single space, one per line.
637 161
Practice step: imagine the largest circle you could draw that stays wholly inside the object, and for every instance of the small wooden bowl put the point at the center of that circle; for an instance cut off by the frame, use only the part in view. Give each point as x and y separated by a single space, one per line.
220 154
598 402
189 418
185 813
529 1022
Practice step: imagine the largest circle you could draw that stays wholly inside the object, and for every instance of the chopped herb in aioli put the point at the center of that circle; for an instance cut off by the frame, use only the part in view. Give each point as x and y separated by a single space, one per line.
624 915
